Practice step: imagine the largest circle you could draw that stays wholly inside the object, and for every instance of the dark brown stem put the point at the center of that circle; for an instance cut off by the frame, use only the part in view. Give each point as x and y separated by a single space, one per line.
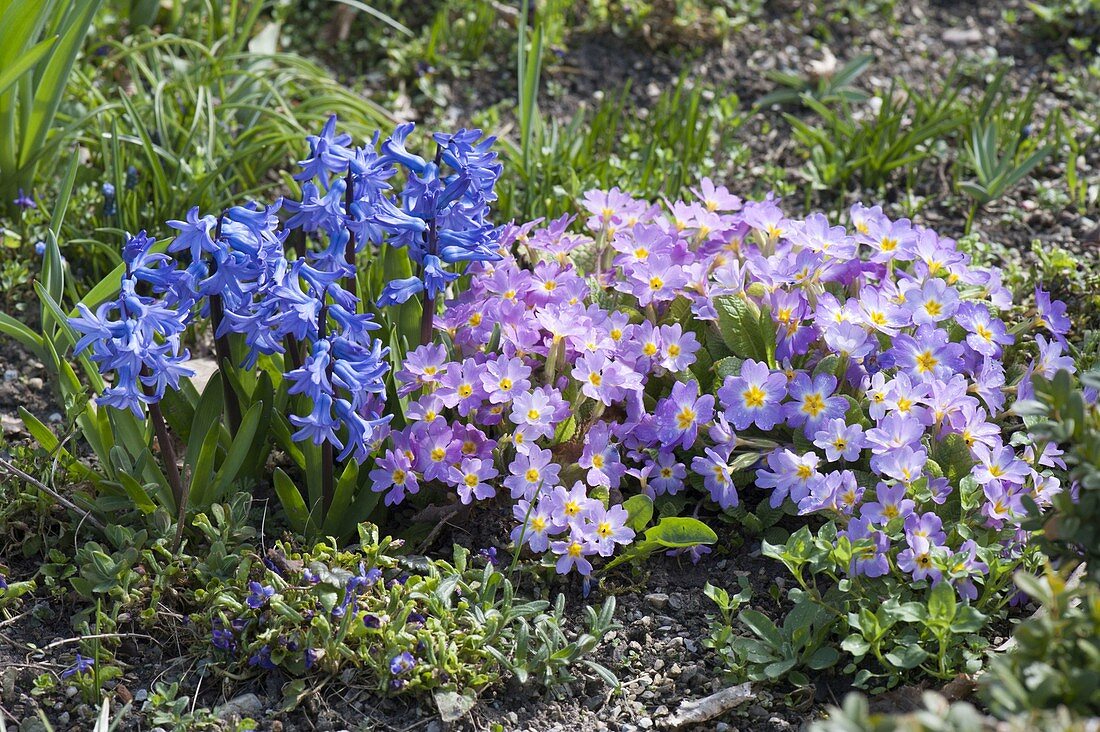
223 350
328 461
351 281
427 321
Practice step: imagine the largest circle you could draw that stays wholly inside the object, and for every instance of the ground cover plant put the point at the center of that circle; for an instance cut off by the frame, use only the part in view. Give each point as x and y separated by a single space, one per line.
668 372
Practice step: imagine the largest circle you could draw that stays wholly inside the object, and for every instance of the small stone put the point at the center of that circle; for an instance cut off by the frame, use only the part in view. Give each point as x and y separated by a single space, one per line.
63 718
675 602
645 722
721 727
594 702
245 705
10 425
962 36
657 600
141 695
35 383
11 375
434 726
690 645
778 723
757 712
54 418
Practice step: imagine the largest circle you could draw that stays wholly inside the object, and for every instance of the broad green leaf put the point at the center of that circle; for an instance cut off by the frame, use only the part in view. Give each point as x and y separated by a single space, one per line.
206 419
238 451
762 626
291 498
680 531
203 470
639 510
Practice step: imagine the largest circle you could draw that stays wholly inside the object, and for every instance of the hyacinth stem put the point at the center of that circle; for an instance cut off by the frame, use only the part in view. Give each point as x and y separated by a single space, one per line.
222 349
328 477
427 321
180 492
351 283
328 460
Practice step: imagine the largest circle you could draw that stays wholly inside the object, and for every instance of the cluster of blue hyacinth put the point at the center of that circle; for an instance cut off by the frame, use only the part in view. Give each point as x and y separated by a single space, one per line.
239 271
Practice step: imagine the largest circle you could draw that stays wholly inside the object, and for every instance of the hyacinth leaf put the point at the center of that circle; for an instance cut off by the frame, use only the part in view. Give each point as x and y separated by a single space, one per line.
263 394
639 510
203 469
130 438
341 498
26 337
206 420
238 451
291 499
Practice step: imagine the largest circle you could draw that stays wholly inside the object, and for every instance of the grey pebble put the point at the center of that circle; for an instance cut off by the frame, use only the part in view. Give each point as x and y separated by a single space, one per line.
11 375
657 600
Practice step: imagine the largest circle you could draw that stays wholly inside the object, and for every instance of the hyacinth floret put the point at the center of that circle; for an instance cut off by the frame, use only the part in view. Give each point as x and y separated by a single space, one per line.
136 338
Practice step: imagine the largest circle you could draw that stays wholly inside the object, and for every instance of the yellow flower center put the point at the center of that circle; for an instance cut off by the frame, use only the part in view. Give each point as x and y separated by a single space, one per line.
595 379
674 350
888 244
933 308
549 285
505 384
597 461
926 362
656 283
465 390
531 476
754 397
532 414
685 418
616 333
438 454
813 404
475 319
603 529
804 472
649 349
398 477
471 480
